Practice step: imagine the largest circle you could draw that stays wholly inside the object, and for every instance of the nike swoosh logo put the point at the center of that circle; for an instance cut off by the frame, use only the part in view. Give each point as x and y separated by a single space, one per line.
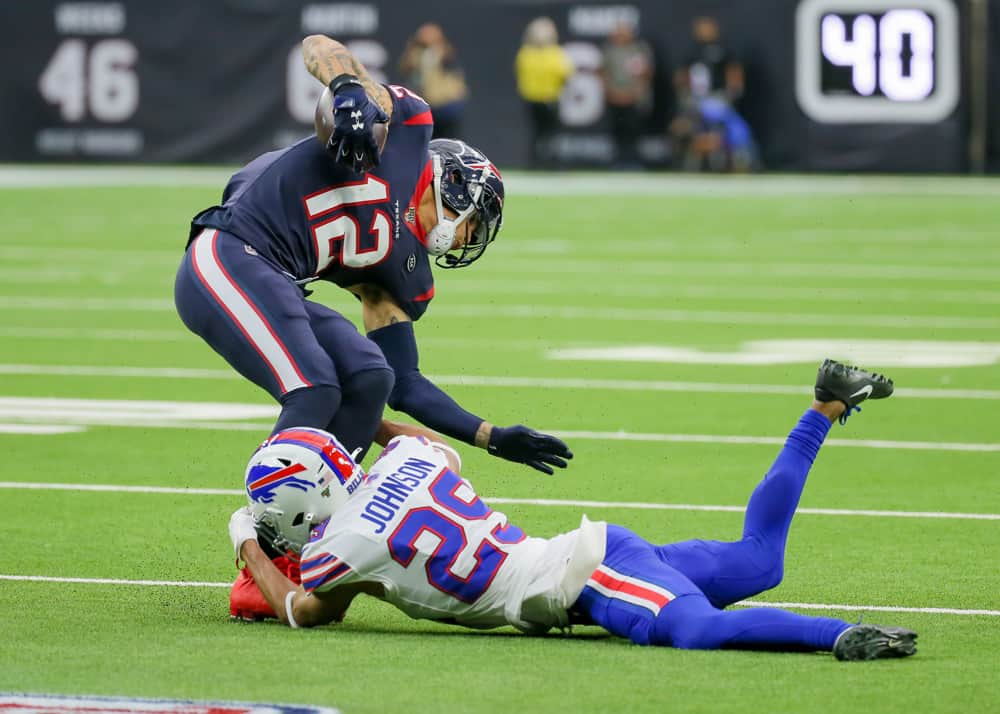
866 390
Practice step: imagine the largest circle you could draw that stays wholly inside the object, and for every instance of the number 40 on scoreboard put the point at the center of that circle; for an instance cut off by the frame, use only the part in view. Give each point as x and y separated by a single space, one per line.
877 61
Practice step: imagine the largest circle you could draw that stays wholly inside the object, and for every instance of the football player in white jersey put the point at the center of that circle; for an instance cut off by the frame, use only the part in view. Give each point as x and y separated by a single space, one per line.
414 533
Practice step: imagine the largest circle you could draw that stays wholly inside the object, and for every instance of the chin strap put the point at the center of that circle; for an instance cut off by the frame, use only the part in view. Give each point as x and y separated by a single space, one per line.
441 237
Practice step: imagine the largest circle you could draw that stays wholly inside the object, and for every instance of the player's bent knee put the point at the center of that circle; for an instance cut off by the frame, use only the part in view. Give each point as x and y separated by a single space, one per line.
309 406
373 385
772 578
770 562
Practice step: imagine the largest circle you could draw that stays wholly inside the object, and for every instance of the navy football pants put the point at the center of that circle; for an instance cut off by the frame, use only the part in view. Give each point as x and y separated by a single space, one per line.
310 358
672 594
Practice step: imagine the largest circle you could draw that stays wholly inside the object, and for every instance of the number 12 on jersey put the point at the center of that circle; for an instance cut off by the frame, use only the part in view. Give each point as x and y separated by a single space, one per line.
337 238
444 521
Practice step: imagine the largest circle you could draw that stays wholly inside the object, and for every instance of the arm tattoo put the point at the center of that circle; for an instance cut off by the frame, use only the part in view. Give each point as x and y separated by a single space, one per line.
326 59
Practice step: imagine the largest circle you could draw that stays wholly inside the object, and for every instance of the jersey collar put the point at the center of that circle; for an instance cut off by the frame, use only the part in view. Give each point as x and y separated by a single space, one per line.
426 177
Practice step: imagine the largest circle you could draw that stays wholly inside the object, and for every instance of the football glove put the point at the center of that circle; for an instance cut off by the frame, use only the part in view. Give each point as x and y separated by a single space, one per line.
241 528
352 143
527 446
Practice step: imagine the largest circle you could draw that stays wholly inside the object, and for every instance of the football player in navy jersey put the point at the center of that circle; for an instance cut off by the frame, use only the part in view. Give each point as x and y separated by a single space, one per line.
367 220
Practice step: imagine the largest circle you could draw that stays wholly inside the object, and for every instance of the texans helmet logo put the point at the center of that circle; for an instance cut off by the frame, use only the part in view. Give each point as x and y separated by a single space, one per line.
263 480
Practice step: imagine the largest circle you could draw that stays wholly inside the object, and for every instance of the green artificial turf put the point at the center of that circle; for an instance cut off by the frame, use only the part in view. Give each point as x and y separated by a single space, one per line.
87 281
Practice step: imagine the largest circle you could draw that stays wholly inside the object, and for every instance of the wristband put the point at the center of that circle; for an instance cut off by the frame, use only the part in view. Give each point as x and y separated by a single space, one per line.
343 79
288 610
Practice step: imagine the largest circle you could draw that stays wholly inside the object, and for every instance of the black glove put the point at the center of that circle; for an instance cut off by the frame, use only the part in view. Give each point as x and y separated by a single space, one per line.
527 446
352 143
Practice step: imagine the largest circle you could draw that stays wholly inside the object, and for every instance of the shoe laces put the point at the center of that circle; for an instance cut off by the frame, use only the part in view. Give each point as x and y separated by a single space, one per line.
847 412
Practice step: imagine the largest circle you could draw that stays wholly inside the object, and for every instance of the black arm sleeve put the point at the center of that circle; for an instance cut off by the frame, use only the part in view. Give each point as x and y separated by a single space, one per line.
416 395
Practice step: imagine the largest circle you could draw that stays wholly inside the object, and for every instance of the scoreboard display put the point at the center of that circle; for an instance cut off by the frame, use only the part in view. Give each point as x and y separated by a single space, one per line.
877 61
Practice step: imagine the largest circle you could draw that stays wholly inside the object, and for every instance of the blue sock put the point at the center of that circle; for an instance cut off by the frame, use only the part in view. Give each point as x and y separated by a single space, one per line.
773 503
731 571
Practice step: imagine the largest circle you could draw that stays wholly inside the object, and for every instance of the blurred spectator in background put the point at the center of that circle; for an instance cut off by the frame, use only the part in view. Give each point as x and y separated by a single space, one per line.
627 73
542 68
430 67
708 132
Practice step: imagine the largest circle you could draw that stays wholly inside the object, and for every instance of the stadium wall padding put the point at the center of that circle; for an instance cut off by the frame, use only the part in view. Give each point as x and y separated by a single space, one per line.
192 81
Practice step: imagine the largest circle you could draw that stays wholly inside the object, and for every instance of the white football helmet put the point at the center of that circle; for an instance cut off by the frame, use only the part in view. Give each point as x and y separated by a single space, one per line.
297 478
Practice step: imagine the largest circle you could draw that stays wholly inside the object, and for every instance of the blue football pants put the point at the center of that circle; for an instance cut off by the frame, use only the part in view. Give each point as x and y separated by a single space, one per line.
673 594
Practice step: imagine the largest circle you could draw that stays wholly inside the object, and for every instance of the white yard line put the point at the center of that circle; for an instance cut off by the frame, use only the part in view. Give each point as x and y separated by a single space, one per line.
663 289
230 416
89 334
542 502
40 429
569 312
117 488
771 440
14 176
577 312
716 317
625 385
800 271
66 370
633 505
744 603
146 422
527 287
872 608
115 581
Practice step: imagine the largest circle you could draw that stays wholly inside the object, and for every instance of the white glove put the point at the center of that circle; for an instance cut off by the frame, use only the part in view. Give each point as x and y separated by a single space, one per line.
241 528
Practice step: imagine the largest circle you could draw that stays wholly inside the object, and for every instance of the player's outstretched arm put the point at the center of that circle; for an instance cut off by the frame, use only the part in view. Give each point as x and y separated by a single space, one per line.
391 329
293 605
327 59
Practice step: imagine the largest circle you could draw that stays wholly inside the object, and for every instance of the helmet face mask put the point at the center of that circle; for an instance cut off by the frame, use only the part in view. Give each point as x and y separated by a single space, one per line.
297 479
470 185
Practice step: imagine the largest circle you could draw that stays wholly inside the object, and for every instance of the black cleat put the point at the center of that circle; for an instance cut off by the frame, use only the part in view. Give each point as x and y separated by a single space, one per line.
836 381
865 642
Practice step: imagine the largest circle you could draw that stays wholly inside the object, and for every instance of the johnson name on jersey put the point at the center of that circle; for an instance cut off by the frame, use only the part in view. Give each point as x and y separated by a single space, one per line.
421 531
315 219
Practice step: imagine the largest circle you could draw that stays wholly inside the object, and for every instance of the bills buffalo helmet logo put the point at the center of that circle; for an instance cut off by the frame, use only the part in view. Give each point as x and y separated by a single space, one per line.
321 443
262 480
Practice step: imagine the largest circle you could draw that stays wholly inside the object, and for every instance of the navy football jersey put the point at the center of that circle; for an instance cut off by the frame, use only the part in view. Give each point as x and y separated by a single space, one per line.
317 219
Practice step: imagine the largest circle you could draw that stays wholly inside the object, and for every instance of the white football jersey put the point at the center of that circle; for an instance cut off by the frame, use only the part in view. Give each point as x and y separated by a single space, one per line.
420 530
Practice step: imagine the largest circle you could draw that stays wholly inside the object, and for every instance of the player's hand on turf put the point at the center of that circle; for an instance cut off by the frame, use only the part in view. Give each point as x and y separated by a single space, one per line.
527 446
241 528
352 142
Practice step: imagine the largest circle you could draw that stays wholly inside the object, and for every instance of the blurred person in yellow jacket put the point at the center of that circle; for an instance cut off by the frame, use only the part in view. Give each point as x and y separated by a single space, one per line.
542 69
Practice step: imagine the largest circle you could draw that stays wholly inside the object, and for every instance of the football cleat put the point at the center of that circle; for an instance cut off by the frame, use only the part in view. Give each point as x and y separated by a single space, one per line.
246 601
865 642
836 381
